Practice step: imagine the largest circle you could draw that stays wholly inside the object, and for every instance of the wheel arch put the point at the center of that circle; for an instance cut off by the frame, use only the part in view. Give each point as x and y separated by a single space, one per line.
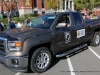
33 49
97 30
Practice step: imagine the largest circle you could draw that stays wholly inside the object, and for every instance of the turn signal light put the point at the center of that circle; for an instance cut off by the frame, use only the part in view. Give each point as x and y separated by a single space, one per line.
18 44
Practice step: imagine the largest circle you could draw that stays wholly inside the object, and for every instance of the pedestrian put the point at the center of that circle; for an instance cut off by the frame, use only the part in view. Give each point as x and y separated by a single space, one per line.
1 26
12 25
91 16
86 17
26 21
19 25
8 26
40 12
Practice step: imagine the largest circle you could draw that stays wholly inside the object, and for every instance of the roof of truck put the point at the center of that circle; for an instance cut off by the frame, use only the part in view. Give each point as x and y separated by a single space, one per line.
58 13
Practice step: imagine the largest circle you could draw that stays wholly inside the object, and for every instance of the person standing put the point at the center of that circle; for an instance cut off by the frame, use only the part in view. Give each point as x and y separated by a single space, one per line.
26 21
12 25
86 17
1 26
91 16
40 12
19 25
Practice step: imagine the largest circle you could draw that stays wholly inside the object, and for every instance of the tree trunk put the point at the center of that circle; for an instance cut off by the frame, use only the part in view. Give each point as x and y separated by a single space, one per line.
8 16
8 19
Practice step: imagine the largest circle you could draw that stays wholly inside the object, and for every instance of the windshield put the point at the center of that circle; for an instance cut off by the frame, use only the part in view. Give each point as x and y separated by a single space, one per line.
44 21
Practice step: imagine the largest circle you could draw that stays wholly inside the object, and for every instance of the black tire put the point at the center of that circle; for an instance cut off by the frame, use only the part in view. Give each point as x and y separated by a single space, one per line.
96 39
38 63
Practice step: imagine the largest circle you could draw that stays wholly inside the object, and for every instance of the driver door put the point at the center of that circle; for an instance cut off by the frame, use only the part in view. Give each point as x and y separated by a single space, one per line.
65 37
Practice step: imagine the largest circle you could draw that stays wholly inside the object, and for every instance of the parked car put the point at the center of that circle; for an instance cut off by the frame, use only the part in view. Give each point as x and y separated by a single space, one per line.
15 13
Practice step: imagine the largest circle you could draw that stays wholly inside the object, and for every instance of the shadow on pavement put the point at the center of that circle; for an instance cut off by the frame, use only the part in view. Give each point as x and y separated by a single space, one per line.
53 63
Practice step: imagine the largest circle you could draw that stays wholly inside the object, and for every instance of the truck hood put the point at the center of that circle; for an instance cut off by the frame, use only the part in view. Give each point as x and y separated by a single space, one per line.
24 31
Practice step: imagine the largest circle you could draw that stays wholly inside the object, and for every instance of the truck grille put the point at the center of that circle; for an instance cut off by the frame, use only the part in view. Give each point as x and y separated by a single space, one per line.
2 48
2 45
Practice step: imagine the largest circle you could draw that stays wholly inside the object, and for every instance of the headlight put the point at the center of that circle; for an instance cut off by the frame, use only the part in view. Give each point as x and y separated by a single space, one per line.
14 45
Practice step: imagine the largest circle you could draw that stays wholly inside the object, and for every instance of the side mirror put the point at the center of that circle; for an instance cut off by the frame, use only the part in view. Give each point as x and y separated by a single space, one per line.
61 25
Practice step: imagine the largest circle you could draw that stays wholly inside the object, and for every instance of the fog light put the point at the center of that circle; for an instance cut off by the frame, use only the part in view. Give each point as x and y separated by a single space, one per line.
15 62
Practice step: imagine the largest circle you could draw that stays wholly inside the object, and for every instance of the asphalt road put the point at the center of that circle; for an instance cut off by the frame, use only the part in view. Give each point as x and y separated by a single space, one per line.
83 62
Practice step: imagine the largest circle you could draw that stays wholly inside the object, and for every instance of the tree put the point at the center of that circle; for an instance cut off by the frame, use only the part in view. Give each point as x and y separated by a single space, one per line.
96 3
11 5
53 4
78 4
88 4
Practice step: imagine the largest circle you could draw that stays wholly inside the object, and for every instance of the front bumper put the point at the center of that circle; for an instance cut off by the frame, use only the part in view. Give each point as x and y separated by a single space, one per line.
15 61
18 64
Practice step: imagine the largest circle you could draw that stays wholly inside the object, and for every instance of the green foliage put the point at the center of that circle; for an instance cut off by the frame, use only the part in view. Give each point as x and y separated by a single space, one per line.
30 15
53 4
90 4
5 21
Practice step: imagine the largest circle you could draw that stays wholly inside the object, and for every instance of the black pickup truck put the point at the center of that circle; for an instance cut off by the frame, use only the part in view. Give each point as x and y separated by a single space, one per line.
48 36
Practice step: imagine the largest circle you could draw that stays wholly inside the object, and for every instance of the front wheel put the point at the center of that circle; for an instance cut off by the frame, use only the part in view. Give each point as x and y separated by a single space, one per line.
96 39
41 60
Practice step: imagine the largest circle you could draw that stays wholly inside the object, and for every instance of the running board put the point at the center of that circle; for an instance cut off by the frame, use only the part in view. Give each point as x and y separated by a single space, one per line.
72 50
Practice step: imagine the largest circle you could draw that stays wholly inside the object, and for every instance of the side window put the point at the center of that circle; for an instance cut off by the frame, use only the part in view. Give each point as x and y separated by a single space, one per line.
65 19
77 18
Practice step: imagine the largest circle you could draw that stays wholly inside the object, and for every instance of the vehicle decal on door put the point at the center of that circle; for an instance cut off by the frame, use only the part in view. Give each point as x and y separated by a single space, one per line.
67 37
80 33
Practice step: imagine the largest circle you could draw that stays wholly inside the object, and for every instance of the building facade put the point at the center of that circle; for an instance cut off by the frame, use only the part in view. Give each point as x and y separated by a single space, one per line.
66 4
30 6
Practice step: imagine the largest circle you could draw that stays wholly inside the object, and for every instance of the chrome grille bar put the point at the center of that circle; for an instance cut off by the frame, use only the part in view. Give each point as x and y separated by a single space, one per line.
3 45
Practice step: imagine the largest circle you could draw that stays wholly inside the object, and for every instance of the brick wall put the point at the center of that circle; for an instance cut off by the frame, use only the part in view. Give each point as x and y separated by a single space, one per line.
26 6
45 5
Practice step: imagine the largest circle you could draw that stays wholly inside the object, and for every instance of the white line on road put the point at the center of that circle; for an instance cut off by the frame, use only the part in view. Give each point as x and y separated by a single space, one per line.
18 73
70 66
94 52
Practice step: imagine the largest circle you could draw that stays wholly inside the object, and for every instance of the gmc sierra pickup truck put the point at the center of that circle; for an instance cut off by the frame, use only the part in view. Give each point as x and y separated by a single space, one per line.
47 36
